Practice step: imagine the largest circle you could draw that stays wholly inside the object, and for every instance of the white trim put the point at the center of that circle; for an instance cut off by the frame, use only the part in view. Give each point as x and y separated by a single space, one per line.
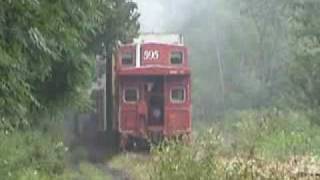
119 111
127 65
184 95
182 60
138 55
124 94
153 66
127 132
158 43
166 38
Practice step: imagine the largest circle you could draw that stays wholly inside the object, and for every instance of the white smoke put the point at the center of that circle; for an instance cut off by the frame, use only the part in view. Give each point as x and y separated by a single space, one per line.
162 15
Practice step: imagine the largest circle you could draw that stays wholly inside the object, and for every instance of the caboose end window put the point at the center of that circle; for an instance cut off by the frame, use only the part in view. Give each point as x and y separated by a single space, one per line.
131 95
127 59
176 58
178 95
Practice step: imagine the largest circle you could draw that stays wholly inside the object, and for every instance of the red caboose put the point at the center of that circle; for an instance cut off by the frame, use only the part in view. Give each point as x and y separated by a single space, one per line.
152 89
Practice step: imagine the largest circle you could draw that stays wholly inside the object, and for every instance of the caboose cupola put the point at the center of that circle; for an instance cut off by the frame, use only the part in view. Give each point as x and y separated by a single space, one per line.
166 55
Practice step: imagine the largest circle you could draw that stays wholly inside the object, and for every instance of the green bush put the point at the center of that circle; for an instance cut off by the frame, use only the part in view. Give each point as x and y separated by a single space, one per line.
174 160
247 145
30 155
270 133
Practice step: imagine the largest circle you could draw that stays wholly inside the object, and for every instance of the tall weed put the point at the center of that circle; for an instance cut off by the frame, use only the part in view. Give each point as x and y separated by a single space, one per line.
268 144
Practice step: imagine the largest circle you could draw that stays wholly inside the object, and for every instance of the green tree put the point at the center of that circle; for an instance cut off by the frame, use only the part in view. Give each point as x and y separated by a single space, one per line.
238 52
47 51
305 69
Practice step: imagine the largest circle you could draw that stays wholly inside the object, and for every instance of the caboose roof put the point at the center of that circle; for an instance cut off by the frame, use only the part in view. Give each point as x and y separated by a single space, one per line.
160 38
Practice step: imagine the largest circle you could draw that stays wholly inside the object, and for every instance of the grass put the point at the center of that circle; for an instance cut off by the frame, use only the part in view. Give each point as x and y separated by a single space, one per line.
34 155
136 165
250 145
88 171
266 144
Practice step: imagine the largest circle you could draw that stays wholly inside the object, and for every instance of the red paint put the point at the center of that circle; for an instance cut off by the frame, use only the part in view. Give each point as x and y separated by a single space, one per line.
156 78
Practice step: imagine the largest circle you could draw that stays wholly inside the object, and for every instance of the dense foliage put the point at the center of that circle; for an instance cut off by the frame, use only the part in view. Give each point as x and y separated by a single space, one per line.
45 157
305 69
37 156
47 51
47 56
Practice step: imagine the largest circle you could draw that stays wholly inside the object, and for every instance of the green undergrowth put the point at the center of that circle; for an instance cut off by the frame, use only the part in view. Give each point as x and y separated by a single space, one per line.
268 144
30 155
35 155
270 134
136 165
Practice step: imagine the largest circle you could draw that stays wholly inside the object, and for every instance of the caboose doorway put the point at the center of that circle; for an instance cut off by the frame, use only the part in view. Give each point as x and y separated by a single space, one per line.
154 96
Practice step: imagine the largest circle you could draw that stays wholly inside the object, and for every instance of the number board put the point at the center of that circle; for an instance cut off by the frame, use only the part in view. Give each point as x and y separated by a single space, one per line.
151 55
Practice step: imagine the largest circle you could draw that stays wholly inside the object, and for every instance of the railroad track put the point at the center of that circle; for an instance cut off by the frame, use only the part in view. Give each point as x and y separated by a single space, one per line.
116 174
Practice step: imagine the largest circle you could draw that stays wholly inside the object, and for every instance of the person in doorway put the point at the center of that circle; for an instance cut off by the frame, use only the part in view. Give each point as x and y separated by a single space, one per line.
156 114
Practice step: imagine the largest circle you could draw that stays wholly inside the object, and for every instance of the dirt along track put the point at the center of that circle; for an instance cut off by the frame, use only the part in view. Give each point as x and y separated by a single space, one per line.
99 149
89 146
100 153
